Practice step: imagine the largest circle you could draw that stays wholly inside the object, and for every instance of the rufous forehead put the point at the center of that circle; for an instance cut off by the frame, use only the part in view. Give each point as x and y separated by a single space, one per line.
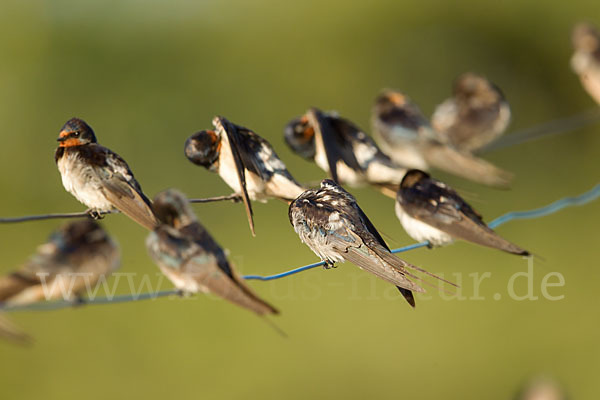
64 133
396 98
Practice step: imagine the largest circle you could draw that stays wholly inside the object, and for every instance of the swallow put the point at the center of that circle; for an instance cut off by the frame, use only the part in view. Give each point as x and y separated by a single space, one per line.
343 150
190 258
476 115
74 259
245 161
330 222
98 177
407 137
585 61
431 210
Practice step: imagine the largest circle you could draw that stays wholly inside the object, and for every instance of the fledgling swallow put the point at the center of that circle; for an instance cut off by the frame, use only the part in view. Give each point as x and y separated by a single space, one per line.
188 255
74 259
98 177
244 160
407 137
431 210
476 115
342 149
586 58
335 228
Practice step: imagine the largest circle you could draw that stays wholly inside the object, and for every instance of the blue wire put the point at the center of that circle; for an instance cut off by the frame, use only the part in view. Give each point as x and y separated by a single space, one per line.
538 212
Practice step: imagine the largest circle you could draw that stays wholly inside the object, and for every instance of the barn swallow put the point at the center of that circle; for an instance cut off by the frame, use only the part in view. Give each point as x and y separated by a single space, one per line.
98 177
330 222
476 114
74 259
586 58
244 160
407 137
188 255
431 210
343 150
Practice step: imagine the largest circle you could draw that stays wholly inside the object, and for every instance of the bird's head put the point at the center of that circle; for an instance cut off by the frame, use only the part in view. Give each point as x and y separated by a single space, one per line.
75 132
203 148
413 177
586 38
300 137
78 233
172 208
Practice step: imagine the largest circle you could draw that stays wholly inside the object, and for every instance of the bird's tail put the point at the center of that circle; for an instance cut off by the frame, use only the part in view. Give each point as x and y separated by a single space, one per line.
9 331
466 166
408 295
13 284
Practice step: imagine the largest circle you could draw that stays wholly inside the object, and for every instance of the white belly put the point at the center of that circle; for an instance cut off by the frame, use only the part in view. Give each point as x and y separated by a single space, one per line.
420 231
82 182
228 172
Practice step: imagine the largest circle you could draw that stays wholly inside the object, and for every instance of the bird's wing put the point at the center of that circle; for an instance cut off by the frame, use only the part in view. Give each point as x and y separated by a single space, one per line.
465 165
337 146
441 207
123 191
233 137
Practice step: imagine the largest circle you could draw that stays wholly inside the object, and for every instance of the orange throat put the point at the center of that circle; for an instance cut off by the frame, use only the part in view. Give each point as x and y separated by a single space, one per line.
70 142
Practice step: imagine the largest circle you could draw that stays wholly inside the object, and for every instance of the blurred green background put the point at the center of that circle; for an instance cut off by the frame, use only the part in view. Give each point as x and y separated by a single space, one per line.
147 74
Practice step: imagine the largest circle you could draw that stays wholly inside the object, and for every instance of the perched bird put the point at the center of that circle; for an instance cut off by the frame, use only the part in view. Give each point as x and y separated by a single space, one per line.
407 137
343 150
430 210
244 160
586 58
188 255
99 178
335 228
73 260
476 115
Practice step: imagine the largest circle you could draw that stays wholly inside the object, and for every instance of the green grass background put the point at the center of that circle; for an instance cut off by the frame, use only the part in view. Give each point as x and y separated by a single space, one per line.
147 74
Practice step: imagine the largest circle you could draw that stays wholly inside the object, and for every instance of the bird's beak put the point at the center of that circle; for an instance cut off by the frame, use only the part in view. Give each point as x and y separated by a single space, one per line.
63 136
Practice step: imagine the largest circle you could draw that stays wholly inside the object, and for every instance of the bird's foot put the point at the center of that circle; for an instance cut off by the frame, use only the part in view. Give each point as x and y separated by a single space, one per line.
329 265
429 245
78 301
95 214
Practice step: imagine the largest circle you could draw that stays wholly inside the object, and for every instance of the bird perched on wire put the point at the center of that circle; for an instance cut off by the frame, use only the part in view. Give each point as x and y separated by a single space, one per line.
407 137
343 150
476 115
245 161
431 210
188 255
75 258
586 58
98 177
335 228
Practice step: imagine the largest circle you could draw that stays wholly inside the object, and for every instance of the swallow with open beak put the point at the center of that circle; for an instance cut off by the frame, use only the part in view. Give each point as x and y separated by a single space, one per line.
73 260
98 177
476 115
407 137
330 222
188 255
343 150
245 161
586 58
431 210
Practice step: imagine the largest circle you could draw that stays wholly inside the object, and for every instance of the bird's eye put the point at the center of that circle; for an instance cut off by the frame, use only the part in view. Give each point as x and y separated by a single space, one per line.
76 133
